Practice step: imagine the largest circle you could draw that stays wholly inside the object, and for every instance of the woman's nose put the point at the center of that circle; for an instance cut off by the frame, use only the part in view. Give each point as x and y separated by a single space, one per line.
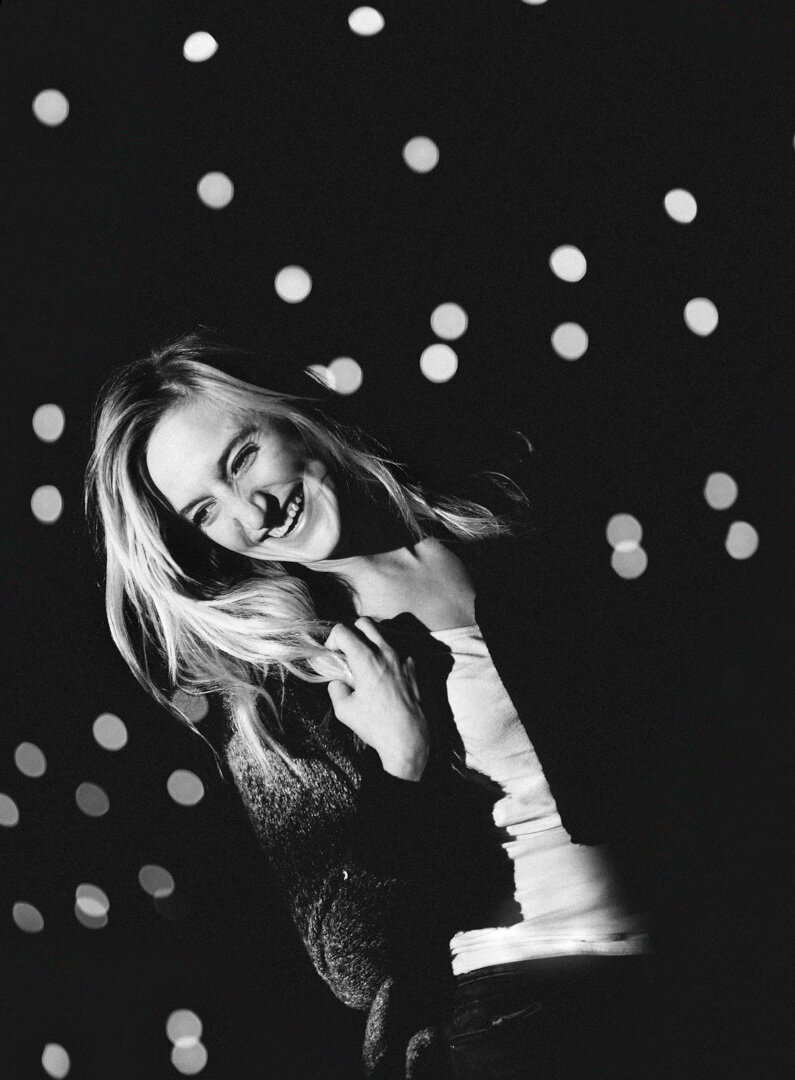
251 511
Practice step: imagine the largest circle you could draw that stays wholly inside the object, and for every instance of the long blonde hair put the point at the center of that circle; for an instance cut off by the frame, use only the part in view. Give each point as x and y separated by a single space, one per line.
217 621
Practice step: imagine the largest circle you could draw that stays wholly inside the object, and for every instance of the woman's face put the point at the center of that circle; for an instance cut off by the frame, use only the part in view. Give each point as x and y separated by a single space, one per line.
250 488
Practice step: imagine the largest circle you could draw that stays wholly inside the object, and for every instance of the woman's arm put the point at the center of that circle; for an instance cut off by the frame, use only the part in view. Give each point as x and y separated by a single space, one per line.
361 880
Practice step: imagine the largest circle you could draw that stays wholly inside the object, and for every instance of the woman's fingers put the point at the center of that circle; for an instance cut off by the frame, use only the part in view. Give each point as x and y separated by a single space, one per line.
358 643
338 691
366 626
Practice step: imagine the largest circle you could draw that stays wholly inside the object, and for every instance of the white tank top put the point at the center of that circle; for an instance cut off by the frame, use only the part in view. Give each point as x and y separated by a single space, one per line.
569 900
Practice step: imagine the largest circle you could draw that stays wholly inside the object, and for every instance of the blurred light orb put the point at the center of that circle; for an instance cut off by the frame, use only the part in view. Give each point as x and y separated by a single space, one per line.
534 3
50 107
629 563
568 263
320 373
90 921
156 881
184 1024
701 316
189 1059
110 731
195 706
570 341
92 900
623 529
49 422
9 811
27 917
46 504
293 284
199 46
438 363
366 21
30 760
680 206
742 540
421 154
449 321
215 190
92 800
55 1061
347 374
185 787
720 490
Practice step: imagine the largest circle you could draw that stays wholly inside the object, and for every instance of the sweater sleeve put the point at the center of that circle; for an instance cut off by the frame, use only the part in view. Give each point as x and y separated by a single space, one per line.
348 878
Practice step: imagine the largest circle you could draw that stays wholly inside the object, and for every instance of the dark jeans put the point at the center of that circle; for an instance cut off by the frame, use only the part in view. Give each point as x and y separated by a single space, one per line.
562 1018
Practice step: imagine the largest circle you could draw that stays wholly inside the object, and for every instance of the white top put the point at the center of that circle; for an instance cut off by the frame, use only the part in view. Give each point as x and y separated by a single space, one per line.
569 900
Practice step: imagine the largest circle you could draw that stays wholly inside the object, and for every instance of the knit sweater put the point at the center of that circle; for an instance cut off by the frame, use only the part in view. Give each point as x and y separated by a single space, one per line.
379 872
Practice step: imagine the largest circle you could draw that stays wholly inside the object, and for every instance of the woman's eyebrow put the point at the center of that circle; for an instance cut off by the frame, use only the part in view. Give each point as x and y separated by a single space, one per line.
220 465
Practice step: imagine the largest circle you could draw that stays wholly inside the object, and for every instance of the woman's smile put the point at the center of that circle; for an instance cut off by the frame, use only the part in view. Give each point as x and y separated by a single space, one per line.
293 515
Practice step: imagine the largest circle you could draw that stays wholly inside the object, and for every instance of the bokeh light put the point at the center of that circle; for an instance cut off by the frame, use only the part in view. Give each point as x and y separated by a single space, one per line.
568 263
347 374
624 532
92 800
110 731
742 540
190 1059
199 46
55 1061
570 341
49 422
629 563
185 787
50 107
680 206
46 504
27 917
30 760
92 900
195 706
215 190
184 1027
9 811
366 21
156 881
438 363
701 315
720 490
91 922
91 906
293 284
421 154
534 3
449 321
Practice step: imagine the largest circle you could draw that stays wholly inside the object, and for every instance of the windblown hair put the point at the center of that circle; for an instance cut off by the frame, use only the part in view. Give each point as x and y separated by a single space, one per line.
212 620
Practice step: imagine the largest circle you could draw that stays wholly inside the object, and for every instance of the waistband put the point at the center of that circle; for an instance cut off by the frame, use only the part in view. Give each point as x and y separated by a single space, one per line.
576 965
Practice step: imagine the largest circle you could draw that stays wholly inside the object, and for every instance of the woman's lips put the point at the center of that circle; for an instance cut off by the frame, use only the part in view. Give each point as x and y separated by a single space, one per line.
296 492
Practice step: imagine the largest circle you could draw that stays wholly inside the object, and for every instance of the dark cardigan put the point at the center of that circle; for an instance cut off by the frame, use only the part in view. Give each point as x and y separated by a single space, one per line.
379 873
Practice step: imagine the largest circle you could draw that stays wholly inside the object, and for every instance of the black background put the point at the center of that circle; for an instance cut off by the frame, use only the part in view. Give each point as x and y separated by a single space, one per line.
561 123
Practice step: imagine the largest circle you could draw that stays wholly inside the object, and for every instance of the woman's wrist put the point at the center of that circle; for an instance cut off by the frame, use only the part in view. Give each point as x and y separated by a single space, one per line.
407 767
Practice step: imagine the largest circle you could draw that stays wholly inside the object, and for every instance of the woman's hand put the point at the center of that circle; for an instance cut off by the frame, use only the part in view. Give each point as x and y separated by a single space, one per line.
381 702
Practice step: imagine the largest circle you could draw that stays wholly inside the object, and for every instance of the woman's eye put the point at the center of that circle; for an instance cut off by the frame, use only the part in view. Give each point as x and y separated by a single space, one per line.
200 516
241 459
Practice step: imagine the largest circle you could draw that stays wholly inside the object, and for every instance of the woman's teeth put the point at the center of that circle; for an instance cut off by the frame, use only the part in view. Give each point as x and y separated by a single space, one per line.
292 513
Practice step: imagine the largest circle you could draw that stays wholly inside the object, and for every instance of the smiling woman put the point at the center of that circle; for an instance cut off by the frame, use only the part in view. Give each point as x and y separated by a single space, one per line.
388 678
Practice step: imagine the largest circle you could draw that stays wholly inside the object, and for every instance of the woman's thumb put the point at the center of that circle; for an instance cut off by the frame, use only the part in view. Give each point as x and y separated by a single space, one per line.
339 692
